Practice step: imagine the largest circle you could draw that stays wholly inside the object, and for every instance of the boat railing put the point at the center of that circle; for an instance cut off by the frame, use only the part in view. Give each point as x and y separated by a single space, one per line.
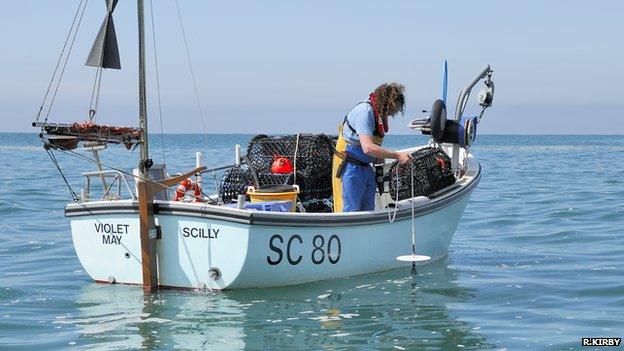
110 190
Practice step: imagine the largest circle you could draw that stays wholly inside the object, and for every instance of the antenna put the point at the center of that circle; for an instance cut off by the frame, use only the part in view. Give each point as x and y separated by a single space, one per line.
444 81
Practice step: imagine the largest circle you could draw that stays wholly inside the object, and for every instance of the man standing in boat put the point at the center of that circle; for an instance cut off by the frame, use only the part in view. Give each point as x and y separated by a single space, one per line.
359 143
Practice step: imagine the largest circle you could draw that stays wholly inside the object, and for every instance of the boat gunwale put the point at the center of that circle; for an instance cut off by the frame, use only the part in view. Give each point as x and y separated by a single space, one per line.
453 194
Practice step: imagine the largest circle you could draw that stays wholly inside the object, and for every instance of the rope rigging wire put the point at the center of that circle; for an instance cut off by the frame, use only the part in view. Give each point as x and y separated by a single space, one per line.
95 92
59 70
55 162
188 58
97 82
162 136
58 62
65 52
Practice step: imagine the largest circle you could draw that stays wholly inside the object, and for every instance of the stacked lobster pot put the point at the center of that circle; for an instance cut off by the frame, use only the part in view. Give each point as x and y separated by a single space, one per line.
301 159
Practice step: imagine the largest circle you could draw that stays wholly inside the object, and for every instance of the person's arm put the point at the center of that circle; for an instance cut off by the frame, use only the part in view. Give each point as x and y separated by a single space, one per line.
374 150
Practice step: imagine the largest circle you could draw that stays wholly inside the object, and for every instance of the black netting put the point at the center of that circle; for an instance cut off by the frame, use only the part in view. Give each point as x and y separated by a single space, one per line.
323 206
313 164
268 179
234 182
432 172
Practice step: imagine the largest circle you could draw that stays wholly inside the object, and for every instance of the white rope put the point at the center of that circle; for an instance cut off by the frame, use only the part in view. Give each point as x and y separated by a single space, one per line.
413 225
301 208
295 163
396 203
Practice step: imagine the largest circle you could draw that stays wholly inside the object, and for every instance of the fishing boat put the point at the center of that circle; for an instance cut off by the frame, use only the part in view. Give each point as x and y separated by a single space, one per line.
144 229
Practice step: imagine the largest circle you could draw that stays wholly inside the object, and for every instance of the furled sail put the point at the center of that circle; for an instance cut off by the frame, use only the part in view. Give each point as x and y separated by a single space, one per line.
104 52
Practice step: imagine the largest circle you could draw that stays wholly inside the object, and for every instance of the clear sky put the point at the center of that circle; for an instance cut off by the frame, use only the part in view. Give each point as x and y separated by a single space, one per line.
290 66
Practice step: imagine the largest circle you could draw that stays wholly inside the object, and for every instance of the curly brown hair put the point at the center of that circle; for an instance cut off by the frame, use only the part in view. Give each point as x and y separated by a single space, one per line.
389 99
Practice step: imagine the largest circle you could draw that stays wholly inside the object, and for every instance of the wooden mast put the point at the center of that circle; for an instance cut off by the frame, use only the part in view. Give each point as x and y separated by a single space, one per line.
146 186
147 225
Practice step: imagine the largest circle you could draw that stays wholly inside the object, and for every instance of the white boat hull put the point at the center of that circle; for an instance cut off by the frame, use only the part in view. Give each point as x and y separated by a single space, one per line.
259 249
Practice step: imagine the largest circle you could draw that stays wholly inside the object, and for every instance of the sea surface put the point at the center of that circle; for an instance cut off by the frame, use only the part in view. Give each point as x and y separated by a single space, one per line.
537 263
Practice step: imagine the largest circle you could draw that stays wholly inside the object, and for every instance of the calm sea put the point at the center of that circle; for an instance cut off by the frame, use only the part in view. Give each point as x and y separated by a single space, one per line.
537 263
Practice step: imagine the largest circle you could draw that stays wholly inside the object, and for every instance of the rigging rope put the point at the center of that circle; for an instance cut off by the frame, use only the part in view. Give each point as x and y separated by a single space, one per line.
97 83
55 162
188 58
78 16
58 62
162 136
95 92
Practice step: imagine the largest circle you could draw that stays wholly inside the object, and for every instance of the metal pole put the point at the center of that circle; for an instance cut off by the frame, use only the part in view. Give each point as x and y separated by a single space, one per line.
147 227
142 94
98 162
459 110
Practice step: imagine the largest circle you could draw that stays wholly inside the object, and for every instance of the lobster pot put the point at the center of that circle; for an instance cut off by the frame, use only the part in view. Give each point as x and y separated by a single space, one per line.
268 179
311 154
315 184
234 182
432 172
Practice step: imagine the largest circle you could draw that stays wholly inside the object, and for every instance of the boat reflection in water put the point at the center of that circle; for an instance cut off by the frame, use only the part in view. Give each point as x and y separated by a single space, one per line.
379 310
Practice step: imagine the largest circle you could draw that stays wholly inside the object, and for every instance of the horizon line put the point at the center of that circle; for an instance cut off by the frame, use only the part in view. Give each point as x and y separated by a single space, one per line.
485 134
